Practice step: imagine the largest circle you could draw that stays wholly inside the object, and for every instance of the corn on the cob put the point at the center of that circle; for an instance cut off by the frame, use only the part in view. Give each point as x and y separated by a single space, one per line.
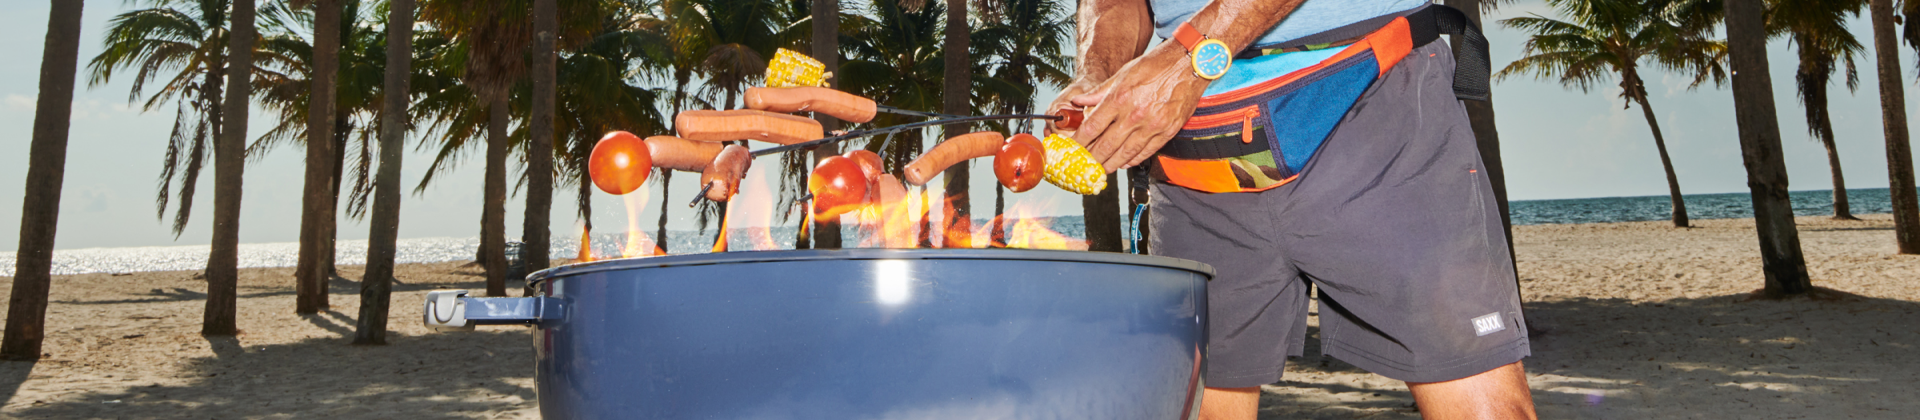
1071 168
792 69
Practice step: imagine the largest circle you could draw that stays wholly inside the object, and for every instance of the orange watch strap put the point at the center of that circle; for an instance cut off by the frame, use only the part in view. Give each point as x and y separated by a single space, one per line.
1188 36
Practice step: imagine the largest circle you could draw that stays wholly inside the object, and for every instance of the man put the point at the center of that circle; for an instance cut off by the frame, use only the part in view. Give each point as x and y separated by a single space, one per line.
1313 142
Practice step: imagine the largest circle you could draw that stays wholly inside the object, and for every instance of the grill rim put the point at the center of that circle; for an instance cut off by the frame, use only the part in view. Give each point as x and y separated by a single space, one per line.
745 257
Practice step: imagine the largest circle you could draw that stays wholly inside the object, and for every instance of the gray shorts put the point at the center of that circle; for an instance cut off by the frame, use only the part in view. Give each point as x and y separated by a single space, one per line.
1395 222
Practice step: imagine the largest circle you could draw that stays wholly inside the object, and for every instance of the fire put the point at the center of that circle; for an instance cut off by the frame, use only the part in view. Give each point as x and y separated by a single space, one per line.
586 246
750 211
1026 230
638 244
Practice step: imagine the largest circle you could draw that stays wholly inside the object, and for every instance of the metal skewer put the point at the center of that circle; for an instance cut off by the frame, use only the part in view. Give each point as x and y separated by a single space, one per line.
892 110
902 127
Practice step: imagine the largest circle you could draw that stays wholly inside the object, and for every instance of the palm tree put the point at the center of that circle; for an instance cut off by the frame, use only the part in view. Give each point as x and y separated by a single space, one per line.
732 38
894 57
317 198
955 99
1819 33
1614 36
187 49
359 62
824 21
534 231
1893 117
493 37
229 160
376 287
46 166
1785 267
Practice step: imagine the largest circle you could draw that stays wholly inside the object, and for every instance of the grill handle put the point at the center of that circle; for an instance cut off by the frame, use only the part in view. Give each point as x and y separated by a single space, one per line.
451 310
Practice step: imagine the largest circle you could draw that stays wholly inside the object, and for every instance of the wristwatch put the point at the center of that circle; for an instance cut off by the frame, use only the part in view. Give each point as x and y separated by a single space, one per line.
1210 57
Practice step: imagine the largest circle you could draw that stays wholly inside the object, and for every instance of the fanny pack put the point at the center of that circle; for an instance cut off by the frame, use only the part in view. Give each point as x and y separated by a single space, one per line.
1261 136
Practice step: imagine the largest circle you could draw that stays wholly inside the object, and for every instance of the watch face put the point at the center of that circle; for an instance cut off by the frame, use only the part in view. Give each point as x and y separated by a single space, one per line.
1211 59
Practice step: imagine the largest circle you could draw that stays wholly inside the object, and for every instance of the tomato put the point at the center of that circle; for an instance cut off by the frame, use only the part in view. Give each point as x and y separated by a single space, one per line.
620 163
838 186
869 162
1030 140
1019 164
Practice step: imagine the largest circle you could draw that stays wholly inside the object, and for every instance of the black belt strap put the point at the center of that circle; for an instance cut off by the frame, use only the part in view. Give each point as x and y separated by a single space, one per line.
1472 66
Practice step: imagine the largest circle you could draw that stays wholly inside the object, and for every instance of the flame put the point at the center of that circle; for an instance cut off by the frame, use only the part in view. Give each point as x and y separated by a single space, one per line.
638 244
1027 230
751 210
586 246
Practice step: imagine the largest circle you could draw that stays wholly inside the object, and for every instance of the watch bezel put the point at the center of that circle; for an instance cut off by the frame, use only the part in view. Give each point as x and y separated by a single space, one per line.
1193 58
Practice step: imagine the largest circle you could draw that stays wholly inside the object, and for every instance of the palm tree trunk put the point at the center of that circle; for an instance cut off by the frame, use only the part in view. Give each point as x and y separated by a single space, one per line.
680 75
46 170
535 231
310 278
341 130
1103 217
376 287
1893 117
1785 266
825 233
1841 210
493 214
229 159
955 98
1666 162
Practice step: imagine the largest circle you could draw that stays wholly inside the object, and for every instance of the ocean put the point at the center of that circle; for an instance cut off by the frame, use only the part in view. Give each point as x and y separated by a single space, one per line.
418 250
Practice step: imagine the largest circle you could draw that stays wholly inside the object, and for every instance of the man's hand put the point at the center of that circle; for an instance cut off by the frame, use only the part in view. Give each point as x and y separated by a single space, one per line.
1140 108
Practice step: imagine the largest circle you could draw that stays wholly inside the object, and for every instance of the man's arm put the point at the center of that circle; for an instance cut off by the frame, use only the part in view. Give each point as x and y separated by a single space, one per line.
1141 106
1109 34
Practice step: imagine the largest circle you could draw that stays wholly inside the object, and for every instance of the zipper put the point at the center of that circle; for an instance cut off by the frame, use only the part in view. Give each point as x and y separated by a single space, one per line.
1222 123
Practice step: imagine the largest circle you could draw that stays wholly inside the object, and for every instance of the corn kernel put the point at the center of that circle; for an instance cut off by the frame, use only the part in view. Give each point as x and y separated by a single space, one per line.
1071 168
793 69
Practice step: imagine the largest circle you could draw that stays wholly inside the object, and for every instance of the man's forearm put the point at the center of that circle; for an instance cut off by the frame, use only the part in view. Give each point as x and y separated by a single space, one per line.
1110 33
1240 22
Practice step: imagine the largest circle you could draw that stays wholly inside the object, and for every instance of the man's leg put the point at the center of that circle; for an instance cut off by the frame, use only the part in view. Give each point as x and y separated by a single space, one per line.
1230 403
1500 393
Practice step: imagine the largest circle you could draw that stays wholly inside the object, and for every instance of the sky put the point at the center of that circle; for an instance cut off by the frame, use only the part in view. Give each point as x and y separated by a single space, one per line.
1556 143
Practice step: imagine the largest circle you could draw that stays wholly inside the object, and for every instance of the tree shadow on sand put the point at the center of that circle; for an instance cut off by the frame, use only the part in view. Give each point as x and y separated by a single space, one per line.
1838 356
461 375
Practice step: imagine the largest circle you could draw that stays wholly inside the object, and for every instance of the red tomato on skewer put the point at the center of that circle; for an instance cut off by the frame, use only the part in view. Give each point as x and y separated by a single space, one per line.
1020 165
620 163
838 185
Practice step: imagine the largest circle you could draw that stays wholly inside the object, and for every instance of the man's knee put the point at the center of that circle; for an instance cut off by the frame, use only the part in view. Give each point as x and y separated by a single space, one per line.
1230 403
1499 393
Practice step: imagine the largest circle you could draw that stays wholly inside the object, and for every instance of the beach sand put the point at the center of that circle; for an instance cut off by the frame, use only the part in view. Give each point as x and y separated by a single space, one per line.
1635 320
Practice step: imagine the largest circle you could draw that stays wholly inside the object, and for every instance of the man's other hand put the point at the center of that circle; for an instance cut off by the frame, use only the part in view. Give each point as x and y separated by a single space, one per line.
1139 109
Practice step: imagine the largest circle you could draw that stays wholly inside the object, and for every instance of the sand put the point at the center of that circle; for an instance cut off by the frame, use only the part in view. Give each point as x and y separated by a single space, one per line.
1634 320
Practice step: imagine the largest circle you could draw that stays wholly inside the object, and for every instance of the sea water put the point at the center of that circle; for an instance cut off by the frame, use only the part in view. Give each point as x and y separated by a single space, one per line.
607 245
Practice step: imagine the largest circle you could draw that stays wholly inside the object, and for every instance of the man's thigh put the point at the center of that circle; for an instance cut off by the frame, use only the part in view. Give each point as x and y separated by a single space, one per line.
1256 302
1395 221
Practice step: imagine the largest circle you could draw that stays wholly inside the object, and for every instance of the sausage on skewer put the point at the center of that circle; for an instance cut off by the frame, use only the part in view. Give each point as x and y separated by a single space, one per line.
746 124
954 150
680 154
842 105
723 176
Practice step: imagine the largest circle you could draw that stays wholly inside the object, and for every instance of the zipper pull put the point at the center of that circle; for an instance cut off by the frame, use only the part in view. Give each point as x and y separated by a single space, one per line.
1246 125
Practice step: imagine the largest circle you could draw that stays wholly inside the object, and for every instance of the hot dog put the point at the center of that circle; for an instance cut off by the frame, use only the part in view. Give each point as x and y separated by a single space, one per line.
746 124
952 151
680 154
842 105
724 174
